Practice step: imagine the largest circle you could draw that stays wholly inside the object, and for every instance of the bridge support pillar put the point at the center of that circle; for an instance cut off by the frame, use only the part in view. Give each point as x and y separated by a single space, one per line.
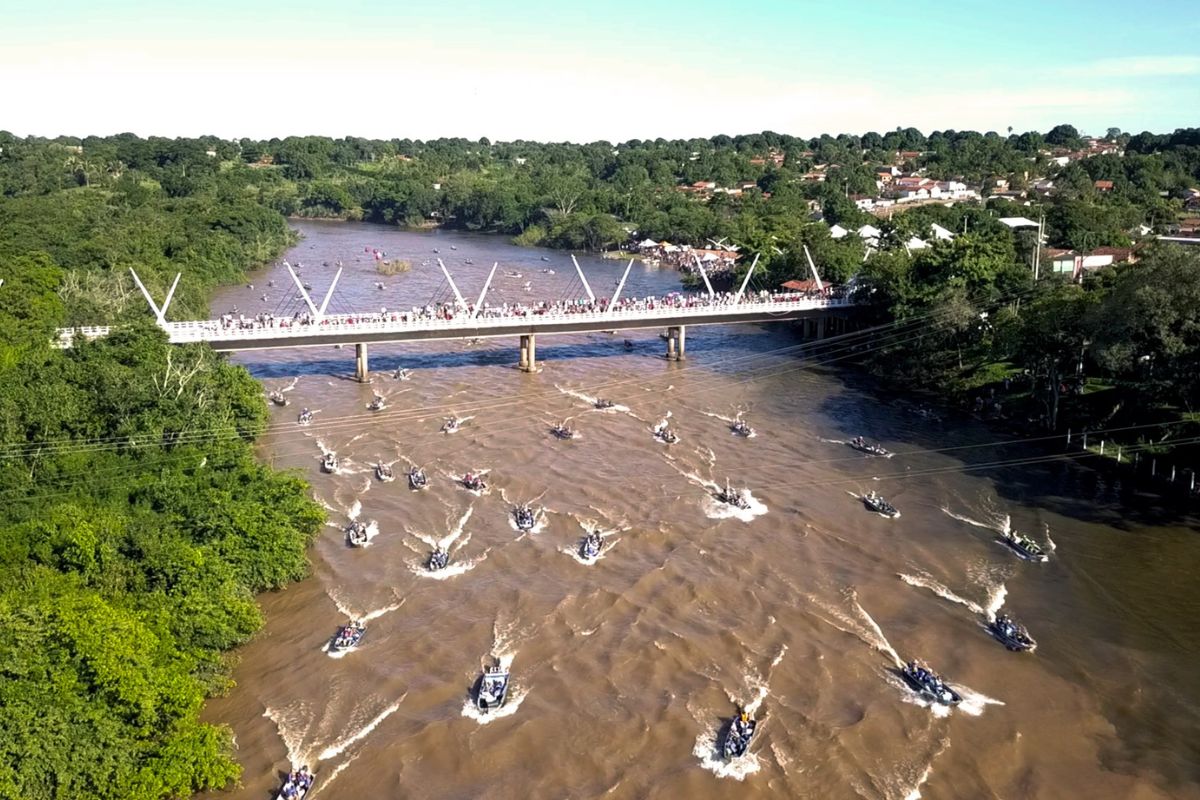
822 327
528 353
361 373
676 343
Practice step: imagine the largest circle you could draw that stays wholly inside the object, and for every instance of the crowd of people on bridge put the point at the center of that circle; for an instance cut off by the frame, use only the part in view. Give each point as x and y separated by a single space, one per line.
449 312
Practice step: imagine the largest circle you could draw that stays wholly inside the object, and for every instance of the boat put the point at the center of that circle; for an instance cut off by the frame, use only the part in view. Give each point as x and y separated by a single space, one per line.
473 481
563 431
876 503
664 433
734 497
297 785
740 427
493 688
376 404
348 636
629 344
383 473
929 684
737 738
524 517
1023 546
356 533
451 425
1012 634
329 463
863 446
278 399
602 403
305 417
589 548
438 559
402 374
417 479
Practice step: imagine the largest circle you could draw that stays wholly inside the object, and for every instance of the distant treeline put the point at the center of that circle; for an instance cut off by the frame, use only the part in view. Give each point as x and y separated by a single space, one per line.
593 196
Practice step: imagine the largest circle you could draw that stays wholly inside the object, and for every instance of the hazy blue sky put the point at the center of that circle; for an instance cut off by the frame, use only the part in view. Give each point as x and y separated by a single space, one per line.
583 71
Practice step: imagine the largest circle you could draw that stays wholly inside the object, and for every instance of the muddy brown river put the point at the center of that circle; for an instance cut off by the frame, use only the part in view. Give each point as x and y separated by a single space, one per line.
625 668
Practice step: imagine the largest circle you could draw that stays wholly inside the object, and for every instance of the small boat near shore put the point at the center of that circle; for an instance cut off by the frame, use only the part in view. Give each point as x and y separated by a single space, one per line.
863 446
417 479
297 785
329 463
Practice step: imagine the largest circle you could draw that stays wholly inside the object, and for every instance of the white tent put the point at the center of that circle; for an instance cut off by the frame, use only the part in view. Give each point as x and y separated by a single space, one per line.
1018 222
915 244
869 232
646 244
941 233
837 231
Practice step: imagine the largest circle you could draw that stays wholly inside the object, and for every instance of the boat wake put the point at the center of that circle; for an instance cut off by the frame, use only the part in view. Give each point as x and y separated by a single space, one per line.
340 746
857 622
1000 523
293 723
987 609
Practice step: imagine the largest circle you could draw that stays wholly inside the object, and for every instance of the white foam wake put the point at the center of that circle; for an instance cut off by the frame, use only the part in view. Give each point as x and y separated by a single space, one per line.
340 746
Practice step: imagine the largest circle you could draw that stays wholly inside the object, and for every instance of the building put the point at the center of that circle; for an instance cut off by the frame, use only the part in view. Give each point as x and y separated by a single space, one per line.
1103 186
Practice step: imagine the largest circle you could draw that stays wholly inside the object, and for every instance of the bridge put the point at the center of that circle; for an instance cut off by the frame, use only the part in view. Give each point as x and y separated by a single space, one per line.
465 320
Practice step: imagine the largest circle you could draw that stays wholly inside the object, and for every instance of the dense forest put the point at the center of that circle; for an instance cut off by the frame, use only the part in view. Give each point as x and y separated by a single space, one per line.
136 525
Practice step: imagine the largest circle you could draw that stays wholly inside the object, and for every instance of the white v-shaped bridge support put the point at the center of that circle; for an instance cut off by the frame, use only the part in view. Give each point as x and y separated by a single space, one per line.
745 282
487 283
612 304
457 294
159 313
317 313
704 275
813 267
586 287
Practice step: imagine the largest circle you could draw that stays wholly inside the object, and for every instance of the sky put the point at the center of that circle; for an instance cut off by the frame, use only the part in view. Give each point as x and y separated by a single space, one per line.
587 71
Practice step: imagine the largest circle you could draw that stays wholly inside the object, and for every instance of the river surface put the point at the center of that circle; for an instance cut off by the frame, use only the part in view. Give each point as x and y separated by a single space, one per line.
625 669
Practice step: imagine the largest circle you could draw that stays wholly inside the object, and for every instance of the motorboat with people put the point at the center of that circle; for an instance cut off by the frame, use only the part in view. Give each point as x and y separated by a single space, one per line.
929 684
1012 634
305 417
417 479
438 559
383 473
589 548
402 374
875 502
563 431
493 688
297 784
348 636
734 497
524 517
664 434
278 399
737 738
740 427
356 533
376 404
603 404
329 463
473 481
451 425
863 446
1023 546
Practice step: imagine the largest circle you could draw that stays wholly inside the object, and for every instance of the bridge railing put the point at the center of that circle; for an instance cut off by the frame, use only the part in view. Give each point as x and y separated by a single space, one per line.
402 321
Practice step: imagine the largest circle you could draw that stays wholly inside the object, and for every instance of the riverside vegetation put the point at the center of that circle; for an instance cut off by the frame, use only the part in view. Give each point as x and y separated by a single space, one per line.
136 524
